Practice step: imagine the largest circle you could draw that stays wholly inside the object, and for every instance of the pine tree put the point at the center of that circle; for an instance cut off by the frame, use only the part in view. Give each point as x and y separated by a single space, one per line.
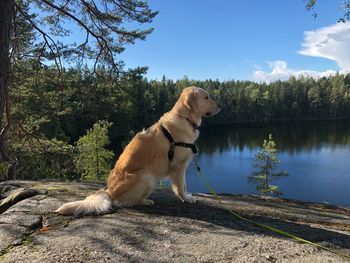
266 163
93 159
26 35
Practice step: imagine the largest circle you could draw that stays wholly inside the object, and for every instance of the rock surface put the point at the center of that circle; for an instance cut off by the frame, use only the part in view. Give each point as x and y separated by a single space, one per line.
169 231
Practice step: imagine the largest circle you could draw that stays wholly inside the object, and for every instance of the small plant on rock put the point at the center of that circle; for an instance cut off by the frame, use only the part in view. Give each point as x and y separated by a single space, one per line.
265 164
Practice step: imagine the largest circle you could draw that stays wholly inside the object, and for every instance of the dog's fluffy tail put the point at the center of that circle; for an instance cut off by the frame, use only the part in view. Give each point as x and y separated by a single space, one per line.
93 204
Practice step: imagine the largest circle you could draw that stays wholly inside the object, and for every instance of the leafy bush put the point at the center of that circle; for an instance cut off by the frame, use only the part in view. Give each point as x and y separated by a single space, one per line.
43 158
92 158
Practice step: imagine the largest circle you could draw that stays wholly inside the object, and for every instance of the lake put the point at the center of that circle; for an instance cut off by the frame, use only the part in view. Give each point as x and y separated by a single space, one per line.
315 154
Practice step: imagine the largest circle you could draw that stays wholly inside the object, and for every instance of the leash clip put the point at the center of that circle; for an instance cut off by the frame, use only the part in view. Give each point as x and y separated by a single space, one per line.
196 163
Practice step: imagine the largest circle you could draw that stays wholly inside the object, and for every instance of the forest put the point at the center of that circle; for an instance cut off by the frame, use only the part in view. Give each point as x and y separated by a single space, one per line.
51 110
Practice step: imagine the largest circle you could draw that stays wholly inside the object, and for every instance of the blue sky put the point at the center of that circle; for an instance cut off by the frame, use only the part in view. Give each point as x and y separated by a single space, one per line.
260 40
256 40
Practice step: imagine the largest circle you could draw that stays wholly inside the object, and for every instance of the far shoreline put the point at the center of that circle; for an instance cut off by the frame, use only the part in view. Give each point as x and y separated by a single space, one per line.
272 122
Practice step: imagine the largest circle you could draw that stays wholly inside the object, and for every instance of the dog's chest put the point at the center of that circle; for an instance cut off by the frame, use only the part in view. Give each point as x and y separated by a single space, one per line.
182 154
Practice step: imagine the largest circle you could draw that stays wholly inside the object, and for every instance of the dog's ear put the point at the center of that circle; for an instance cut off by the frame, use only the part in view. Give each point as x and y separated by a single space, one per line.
190 100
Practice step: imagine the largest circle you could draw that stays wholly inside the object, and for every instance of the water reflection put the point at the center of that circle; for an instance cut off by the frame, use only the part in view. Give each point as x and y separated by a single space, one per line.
291 138
315 154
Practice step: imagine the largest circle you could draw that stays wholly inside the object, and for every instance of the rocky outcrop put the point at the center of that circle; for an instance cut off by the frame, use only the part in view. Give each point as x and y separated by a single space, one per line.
169 231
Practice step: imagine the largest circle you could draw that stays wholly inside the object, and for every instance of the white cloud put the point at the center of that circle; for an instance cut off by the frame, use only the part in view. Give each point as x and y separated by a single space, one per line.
280 71
332 42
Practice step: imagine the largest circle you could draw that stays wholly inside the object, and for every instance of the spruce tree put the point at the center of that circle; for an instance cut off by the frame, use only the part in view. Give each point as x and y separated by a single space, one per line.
266 163
93 160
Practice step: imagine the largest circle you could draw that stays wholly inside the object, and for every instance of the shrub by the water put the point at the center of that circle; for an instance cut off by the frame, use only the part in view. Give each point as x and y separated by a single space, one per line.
265 165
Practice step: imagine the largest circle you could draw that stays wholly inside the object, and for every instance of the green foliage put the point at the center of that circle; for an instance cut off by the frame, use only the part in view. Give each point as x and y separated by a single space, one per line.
65 110
48 108
39 158
46 101
266 163
102 22
93 160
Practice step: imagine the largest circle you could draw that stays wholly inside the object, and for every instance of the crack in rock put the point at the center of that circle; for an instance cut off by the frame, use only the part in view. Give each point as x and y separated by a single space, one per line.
15 235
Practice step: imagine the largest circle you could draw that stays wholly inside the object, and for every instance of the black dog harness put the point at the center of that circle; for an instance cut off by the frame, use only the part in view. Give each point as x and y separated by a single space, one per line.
167 134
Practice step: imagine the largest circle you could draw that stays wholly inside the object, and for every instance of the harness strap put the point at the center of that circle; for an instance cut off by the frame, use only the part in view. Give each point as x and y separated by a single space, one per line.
167 134
188 145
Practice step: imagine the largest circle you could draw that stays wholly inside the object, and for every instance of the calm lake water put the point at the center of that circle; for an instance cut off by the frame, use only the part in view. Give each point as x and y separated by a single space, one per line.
316 155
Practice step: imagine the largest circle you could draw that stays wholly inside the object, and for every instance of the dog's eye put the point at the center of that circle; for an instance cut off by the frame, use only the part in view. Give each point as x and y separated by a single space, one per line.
207 97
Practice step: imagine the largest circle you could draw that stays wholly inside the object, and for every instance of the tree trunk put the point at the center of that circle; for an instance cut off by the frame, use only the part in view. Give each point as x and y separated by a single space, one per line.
97 160
6 17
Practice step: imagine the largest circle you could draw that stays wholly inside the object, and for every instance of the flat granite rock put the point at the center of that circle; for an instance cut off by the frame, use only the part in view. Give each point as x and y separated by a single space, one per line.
11 235
31 221
168 231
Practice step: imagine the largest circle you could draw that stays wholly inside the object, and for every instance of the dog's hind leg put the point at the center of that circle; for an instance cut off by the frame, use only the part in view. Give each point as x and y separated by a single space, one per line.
138 193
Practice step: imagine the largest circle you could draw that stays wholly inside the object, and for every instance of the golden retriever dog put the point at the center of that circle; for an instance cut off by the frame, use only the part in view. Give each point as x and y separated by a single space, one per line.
145 161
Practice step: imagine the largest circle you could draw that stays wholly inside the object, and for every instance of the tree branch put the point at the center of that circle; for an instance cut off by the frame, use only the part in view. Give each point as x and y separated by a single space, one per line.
103 43
102 16
45 36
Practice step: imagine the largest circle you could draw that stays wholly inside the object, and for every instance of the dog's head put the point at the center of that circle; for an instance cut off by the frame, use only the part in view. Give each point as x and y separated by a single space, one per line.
198 101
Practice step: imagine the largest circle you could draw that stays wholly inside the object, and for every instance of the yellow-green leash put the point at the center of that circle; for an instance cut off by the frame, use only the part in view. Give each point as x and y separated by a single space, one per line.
283 233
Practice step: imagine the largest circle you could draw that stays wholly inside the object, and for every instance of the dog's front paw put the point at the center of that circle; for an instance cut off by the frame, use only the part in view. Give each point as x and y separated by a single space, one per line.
188 198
